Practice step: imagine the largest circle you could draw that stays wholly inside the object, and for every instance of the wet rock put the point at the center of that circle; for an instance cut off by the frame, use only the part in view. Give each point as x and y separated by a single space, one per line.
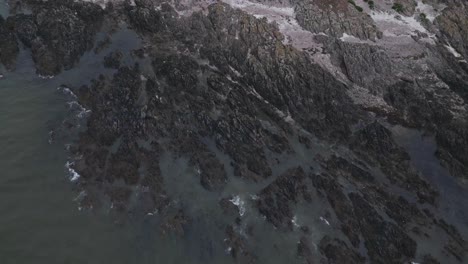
375 143
237 247
377 139
113 60
342 206
453 25
145 18
275 201
211 170
25 28
385 242
336 251
340 167
428 259
175 224
403 212
304 251
452 232
229 208
8 46
58 32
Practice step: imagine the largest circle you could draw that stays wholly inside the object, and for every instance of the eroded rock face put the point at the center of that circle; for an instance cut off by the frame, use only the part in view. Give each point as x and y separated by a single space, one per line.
58 33
453 25
335 18
366 65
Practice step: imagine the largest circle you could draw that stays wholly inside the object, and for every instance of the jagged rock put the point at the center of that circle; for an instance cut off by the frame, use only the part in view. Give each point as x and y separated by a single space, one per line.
339 166
375 143
275 200
229 208
237 247
25 28
453 25
385 242
417 109
212 172
336 251
335 18
340 204
364 64
304 251
58 32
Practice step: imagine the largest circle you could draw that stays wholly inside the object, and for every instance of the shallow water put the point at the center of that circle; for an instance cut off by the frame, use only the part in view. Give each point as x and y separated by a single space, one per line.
40 221
3 9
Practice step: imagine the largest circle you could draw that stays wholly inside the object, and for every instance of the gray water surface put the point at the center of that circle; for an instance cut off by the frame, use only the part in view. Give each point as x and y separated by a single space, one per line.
40 221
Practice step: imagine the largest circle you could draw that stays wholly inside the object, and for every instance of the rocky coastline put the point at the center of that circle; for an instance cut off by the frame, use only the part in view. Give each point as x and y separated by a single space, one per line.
308 132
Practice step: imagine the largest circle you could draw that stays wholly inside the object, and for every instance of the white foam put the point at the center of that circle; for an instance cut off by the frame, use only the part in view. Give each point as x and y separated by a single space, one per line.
253 197
80 196
46 77
324 220
236 200
453 51
67 90
82 112
349 38
294 221
228 250
73 175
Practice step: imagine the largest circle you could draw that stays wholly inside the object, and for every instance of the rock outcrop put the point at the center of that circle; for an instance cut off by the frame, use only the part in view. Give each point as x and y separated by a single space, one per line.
335 18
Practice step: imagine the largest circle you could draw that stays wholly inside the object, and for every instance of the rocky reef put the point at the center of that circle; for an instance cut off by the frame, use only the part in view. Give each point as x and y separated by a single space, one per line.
289 115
